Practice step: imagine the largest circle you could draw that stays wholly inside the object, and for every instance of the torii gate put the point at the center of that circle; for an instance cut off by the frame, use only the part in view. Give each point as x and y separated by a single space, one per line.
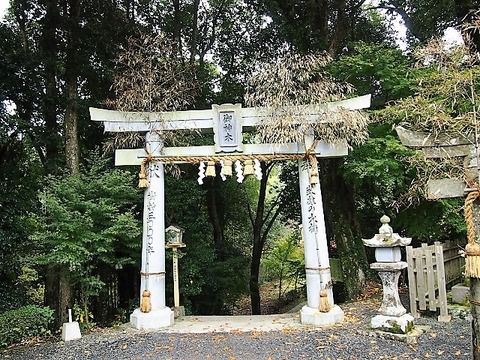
227 123
463 148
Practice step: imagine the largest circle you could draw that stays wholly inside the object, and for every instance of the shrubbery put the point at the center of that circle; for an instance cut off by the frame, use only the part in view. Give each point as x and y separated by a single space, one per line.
20 324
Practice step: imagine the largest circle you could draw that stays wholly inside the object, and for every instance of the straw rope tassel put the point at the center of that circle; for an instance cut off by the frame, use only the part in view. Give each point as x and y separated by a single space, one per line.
324 304
146 303
142 175
472 250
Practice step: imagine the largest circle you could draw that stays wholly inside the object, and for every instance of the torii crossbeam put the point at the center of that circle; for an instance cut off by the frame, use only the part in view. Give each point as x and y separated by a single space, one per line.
227 123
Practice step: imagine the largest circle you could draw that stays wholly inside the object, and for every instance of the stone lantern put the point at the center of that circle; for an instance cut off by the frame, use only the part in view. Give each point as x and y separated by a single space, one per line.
392 316
174 235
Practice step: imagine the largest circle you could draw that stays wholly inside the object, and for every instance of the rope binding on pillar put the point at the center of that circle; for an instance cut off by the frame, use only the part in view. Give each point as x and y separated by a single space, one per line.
472 250
313 163
142 175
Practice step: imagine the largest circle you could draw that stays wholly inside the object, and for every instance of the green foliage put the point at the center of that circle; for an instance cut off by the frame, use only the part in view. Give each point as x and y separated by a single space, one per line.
380 173
19 182
23 323
384 72
426 18
208 284
443 102
431 221
285 261
87 222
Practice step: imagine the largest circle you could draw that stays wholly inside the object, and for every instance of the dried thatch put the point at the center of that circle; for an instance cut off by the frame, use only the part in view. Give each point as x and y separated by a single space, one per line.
150 77
289 88
448 97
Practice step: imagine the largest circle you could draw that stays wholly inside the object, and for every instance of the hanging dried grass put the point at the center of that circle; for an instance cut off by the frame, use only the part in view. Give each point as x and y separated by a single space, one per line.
446 107
126 140
288 88
152 77
447 101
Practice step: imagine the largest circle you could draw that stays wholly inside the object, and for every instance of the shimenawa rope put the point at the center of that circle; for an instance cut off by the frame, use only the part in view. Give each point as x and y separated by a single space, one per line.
472 250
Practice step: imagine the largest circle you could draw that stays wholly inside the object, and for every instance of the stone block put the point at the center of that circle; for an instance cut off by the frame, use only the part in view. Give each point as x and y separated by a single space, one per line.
310 316
388 254
179 311
71 331
154 319
395 324
460 294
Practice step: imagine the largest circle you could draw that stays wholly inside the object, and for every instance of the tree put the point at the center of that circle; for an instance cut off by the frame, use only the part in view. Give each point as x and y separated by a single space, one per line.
426 19
285 261
88 222
327 25
262 220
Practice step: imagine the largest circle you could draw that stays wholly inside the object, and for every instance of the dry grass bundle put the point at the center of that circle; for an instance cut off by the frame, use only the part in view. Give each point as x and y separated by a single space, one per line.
448 97
446 103
429 169
289 88
151 77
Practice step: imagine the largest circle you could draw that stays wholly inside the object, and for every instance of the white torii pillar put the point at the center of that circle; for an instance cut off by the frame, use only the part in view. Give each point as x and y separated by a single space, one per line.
153 244
317 264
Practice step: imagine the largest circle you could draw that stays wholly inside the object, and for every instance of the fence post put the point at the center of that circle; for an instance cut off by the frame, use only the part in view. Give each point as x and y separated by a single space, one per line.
442 290
412 288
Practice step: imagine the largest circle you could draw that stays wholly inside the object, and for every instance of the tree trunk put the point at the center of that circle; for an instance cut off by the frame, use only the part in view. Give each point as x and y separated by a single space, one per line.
254 275
177 26
342 225
193 44
215 215
64 295
341 29
71 127
72 148
401 10
58 294
319 20
49 54
260 232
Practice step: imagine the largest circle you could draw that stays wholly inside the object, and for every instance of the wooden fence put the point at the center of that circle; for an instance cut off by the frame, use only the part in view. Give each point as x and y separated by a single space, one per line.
430 270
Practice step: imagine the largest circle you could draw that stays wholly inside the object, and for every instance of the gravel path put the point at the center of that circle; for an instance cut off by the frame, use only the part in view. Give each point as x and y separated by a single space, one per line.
346 341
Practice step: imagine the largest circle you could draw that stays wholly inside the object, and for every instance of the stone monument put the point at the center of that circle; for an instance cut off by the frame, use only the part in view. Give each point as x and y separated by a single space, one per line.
174 241
71 329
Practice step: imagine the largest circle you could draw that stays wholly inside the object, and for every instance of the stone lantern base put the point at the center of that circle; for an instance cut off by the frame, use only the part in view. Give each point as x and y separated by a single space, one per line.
154 319
310 316
396 324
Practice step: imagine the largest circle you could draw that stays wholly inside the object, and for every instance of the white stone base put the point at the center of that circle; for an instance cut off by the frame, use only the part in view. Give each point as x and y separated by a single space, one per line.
153 320
314 317
71 331
398 324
